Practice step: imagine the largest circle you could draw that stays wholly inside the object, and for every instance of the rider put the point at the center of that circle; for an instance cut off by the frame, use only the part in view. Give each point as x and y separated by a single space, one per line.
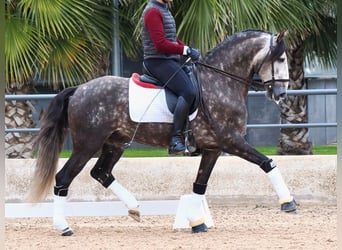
162 50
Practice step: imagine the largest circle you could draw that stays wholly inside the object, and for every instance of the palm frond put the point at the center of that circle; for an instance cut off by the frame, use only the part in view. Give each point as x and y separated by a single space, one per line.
22 42
70 62
58 40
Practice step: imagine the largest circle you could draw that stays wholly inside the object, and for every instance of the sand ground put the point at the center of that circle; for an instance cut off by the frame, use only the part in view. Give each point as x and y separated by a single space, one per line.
236 227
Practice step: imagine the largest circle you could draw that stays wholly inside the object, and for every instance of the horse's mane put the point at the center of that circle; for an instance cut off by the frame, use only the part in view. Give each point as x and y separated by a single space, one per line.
276 52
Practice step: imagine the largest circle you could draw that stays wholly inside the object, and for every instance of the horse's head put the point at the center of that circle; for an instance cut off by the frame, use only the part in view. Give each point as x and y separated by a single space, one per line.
273 70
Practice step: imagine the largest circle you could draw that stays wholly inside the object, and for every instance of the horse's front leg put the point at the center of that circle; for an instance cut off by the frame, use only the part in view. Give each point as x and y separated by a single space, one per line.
195 213
239 147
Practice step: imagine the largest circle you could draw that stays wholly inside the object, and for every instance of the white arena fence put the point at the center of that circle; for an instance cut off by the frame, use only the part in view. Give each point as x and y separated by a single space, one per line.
250 93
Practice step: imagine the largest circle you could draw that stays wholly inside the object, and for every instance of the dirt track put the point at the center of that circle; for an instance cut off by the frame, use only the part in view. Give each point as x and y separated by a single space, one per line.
243 227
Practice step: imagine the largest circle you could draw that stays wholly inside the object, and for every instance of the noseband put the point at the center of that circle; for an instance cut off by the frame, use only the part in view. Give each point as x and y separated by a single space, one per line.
266 84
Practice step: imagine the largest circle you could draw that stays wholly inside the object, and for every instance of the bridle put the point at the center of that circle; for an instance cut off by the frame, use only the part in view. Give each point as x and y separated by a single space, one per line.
265 85
270 83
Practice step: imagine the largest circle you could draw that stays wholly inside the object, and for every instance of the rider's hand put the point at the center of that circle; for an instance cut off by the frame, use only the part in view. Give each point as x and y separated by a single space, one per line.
194 54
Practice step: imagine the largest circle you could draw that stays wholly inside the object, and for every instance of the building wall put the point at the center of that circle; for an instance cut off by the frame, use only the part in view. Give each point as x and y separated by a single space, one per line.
322 108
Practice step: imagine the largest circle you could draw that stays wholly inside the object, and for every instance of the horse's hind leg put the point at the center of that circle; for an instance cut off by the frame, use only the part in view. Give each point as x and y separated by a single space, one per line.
239 147
63 180
102 172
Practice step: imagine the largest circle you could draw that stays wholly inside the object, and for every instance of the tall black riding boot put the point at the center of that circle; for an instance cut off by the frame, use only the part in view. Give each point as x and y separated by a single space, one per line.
179 117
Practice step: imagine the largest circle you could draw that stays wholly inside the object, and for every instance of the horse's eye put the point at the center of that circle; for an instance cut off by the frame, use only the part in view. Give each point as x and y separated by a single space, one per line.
281 60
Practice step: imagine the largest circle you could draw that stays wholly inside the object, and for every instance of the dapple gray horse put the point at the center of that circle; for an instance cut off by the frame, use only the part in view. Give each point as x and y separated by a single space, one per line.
97 116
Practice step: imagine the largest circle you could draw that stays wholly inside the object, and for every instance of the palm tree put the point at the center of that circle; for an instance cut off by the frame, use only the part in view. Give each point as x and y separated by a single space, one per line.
319 42
58 42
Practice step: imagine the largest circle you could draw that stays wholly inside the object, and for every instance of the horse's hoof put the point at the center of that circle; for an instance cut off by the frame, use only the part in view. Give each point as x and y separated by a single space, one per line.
134 214
200 228
289 207
67 232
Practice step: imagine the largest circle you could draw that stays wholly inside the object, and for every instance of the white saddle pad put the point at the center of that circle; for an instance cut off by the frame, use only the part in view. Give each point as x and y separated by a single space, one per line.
149 105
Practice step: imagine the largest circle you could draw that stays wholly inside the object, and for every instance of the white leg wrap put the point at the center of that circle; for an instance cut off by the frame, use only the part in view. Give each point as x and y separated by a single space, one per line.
195 213
124 195
59 220
279 185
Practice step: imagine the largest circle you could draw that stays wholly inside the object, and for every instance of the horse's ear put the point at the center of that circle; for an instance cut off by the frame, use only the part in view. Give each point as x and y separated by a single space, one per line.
281 35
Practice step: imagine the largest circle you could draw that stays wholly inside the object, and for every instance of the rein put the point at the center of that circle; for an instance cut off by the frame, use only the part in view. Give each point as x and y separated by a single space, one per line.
243 80
269 83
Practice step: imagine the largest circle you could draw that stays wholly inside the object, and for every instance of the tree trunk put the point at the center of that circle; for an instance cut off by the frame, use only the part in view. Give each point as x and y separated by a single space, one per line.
295 141
18 114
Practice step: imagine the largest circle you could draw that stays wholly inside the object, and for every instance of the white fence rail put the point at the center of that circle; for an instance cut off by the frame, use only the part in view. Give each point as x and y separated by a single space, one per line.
250 93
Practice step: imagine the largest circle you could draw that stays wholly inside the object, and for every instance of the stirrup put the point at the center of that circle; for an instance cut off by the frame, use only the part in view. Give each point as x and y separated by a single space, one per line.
190 147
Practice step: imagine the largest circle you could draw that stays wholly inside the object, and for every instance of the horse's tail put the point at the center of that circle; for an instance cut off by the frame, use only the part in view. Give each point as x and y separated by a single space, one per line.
49 144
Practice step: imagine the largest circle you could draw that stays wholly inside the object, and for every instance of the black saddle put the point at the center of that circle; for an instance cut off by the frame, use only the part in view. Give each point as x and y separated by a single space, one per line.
171 98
